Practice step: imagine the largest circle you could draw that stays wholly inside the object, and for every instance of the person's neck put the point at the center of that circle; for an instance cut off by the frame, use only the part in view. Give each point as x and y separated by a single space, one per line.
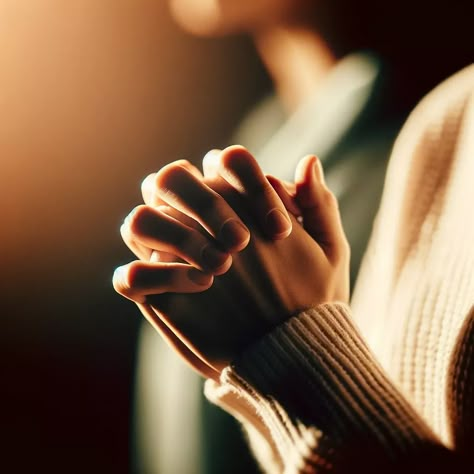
297 60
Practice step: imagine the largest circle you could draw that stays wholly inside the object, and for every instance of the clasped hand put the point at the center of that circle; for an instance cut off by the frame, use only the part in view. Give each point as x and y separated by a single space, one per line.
226 257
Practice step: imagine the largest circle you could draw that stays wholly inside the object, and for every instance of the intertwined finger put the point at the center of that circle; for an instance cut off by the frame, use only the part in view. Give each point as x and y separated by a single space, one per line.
138 279
210 163
139 250
160 255
147 229
182 190
240 169
150 196
287 193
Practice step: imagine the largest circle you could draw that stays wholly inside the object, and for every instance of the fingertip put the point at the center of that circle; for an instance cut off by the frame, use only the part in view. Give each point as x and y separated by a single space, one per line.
200 279
278 224
234 235
215 260
224 268
309 180
239 247
318 172
305 169
219 270
238 166
239 244
287 193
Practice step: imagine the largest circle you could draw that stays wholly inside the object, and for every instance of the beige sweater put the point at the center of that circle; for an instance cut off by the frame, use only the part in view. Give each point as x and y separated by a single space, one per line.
390 379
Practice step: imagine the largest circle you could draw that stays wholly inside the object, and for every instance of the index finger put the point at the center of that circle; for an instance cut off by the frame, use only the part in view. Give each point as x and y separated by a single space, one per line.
241 170
191 196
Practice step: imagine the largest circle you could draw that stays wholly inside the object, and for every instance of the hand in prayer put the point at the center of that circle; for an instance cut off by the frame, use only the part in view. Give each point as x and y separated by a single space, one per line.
222 262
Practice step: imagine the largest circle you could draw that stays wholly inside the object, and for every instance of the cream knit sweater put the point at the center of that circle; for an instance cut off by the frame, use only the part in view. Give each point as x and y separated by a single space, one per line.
384 381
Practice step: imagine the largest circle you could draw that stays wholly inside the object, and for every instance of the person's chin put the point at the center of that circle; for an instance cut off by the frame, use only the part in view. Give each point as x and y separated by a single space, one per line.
200 20
207 18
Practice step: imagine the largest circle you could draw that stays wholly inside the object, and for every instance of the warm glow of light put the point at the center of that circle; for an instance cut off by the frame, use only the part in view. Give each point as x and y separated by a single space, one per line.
94 95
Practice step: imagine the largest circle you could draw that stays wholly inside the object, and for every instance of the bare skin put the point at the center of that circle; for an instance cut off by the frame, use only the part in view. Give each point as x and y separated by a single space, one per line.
296 56
212 320
282 37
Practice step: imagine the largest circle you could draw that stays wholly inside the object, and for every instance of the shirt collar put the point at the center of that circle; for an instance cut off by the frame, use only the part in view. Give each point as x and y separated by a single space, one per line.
321 123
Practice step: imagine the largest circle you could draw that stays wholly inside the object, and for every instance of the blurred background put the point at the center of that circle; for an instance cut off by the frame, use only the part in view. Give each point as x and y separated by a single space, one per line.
94 95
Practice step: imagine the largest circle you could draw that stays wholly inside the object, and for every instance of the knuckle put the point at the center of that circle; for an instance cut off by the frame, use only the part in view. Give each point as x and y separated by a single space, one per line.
148 183
169 176
175 182
121 281
184 163
239 165
239 162
117 284
137 218
125 233
236 158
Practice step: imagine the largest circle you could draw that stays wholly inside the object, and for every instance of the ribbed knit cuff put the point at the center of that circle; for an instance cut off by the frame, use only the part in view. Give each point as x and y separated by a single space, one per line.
320 393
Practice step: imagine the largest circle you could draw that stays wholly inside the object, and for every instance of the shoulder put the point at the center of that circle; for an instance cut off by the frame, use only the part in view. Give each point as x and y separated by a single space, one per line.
446 110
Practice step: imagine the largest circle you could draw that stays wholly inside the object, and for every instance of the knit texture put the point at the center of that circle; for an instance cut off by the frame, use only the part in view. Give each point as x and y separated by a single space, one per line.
393 375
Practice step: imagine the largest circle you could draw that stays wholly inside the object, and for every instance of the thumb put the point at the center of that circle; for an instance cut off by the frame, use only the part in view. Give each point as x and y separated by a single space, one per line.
319 208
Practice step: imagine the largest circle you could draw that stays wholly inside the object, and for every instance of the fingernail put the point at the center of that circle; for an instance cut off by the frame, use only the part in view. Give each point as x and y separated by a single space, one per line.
213 258
277 223
318 172
233 233
197 277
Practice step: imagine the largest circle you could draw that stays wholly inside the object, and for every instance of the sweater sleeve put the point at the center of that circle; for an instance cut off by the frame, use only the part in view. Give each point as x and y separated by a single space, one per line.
314 399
